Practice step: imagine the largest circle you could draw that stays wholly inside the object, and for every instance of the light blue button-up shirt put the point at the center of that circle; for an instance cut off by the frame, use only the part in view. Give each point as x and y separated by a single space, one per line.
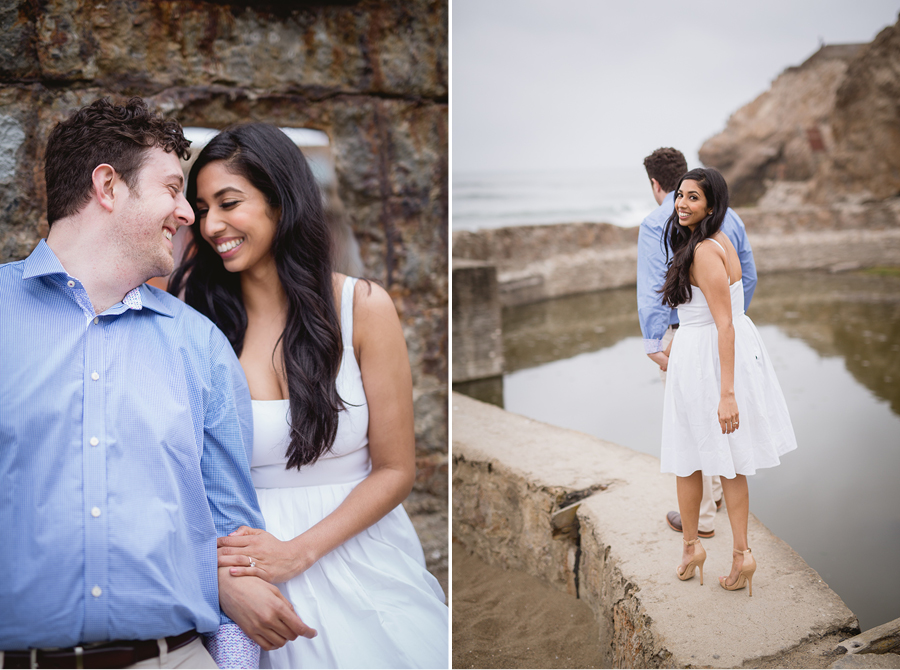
655 317
125 445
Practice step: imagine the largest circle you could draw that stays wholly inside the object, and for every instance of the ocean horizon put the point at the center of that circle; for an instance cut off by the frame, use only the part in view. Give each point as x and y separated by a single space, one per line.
501 198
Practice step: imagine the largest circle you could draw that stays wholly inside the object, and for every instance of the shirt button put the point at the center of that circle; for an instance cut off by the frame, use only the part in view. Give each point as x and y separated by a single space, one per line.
94 441
95 376
96 320
96 591
71 284
95 512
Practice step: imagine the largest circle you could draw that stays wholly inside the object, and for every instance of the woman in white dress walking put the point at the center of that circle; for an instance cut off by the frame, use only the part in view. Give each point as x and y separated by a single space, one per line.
724 413
334 445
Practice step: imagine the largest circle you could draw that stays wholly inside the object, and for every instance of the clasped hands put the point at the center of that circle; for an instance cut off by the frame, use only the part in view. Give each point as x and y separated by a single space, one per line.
256 605
661 358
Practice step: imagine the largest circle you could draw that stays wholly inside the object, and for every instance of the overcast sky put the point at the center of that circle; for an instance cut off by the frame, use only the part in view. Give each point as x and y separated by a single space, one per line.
594 83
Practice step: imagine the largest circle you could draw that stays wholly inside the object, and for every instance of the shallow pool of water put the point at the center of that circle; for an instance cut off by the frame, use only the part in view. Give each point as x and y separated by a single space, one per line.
835 342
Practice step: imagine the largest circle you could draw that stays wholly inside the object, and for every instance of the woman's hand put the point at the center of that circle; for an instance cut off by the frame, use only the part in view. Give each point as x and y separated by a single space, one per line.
251 551
728 414
661 359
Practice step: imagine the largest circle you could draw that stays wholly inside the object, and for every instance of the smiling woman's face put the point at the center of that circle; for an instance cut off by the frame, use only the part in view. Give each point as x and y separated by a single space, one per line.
234 218
690 204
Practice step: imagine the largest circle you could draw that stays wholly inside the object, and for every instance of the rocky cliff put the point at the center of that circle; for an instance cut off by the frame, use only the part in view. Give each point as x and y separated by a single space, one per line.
864 162
785 133
370 74
826 132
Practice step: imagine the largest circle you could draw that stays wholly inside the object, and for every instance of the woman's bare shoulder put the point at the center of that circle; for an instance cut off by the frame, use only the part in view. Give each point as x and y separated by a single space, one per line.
369 297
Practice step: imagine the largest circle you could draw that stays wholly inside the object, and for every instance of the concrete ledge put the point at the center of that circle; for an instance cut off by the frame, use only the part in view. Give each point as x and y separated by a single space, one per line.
542 262
513 475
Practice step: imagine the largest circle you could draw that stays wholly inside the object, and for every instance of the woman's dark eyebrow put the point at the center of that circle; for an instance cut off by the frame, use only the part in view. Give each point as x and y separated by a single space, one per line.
226 189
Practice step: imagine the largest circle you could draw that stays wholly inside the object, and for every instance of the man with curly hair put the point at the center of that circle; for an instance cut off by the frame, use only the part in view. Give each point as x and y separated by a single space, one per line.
125 422
665 167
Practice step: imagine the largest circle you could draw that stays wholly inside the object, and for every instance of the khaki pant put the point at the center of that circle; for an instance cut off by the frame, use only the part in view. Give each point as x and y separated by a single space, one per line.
712 486
192 655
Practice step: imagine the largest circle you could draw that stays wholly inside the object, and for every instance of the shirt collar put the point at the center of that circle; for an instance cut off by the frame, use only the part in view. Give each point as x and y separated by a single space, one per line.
150 301
43 263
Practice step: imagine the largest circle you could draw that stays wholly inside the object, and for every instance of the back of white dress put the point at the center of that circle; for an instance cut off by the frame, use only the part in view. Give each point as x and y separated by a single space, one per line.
691 437
371 600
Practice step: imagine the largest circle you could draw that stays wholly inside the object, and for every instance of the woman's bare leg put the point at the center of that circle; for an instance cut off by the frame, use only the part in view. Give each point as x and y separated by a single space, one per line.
690 492
737 499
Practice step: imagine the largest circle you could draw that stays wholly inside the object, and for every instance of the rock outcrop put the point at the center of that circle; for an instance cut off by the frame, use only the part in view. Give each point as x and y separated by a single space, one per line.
371 74
785 133
864 162
826 132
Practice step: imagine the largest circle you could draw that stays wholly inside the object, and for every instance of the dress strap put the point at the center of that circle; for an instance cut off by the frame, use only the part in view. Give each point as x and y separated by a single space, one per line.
347 312
727 264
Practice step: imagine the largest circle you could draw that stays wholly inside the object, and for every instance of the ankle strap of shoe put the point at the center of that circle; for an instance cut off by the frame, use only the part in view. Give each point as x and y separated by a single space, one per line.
690 542
738 552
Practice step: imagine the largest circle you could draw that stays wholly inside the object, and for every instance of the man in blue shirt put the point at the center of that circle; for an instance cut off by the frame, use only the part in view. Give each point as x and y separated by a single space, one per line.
125 422
658 321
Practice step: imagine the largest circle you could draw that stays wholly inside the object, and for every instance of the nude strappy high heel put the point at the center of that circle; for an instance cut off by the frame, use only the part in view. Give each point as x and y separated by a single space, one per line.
745 576
696 562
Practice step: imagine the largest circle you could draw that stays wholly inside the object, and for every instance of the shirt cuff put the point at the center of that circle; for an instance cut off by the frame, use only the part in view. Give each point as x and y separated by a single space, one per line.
230 647
652 346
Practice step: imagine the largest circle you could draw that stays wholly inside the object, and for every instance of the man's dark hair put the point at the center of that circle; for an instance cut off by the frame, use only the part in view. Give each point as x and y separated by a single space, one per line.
666 165
103 133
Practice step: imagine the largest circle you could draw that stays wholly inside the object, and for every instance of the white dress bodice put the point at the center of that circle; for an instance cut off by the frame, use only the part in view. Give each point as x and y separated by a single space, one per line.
348 459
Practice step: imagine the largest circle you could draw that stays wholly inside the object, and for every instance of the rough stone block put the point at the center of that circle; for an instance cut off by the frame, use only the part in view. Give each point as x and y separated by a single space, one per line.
477 330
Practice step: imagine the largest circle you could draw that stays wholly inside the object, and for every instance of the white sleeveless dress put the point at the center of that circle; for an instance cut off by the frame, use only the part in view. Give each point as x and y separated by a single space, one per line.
371 600
692 438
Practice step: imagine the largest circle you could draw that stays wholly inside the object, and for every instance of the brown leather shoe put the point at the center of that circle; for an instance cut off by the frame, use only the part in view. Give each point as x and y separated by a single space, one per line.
673 518
719 504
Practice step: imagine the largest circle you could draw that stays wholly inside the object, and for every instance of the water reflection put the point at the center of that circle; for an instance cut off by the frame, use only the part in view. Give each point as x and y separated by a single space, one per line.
835 342
855 316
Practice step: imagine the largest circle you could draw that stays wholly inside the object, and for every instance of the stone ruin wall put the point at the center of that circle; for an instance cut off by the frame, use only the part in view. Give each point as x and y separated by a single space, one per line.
370 74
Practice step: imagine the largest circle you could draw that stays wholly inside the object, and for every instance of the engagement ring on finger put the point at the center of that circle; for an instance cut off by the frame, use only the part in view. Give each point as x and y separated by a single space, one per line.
252 563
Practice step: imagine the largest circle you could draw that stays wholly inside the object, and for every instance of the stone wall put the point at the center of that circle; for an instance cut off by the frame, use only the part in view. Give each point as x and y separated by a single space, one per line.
587 517
542 262
371 74
537 263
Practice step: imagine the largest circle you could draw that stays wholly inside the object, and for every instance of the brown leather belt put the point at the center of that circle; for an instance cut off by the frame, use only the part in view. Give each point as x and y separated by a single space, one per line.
115 654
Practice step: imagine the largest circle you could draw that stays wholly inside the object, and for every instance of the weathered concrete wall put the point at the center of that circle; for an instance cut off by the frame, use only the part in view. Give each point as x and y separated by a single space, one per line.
477 330
513 480
372 75
541 262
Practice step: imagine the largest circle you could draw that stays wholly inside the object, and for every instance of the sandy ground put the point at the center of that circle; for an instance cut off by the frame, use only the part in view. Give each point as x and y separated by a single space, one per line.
508 619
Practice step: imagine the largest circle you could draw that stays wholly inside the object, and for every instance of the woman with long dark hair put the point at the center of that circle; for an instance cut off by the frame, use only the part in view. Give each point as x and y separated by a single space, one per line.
327 367
724 413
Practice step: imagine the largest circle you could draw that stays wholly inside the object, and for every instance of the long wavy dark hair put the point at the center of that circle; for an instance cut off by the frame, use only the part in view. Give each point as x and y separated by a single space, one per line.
682 242
311 340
